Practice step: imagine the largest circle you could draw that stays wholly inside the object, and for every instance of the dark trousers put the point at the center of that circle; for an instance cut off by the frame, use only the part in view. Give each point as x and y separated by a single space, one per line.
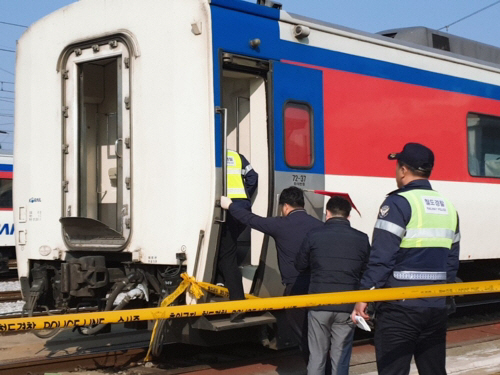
227 264
403 332
297 318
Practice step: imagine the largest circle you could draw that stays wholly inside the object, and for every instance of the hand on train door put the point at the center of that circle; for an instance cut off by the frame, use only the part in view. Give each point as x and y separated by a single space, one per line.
225 202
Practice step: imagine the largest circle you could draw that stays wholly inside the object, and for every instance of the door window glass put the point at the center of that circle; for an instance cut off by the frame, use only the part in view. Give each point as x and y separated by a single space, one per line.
298 135
484 145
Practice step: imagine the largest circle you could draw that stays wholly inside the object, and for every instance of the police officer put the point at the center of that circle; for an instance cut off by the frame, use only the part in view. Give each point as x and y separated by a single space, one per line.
415 242
241 183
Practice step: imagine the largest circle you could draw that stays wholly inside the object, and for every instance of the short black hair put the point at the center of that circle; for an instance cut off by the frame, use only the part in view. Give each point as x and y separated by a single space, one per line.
339 206
416 172
293 196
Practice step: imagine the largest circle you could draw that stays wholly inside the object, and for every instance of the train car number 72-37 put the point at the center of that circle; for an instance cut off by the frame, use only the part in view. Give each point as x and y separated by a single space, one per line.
299 179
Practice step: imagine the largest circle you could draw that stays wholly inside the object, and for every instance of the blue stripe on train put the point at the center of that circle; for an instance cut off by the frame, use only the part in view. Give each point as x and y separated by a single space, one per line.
6 168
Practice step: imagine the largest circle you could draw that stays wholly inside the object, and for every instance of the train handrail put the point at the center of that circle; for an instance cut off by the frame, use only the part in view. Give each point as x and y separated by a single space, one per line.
223 113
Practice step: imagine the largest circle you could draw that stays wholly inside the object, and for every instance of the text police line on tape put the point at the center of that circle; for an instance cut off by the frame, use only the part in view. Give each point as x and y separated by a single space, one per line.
249 305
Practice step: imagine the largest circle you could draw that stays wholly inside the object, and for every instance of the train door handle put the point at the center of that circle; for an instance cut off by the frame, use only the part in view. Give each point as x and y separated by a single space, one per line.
223 113
116 148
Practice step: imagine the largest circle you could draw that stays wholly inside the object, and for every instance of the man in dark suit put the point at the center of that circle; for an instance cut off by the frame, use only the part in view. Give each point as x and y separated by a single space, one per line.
288 232
336 256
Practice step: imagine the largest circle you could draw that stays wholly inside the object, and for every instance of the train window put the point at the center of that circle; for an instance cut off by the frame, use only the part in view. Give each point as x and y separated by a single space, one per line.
5 194
484 145
298 135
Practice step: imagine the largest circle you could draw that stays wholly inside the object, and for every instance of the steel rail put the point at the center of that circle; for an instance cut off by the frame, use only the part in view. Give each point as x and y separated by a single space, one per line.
89 361
10 296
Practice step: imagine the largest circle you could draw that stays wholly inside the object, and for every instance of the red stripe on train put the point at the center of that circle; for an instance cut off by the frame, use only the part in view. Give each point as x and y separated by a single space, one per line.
367 118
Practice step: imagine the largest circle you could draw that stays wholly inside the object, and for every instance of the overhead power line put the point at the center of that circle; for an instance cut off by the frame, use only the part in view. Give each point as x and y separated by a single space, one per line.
13 24
470 15
7 50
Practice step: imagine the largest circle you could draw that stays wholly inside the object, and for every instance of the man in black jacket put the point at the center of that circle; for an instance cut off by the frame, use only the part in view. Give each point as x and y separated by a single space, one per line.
288 232
336 256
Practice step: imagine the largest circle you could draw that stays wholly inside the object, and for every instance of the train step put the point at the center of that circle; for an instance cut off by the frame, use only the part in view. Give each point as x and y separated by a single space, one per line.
223 323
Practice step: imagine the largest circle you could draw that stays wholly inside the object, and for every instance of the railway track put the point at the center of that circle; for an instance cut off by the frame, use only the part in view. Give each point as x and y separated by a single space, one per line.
10 296
97 360
179 358
184 359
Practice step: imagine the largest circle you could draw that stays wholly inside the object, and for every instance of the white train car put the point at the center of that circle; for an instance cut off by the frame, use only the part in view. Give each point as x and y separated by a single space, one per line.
7 241
125 109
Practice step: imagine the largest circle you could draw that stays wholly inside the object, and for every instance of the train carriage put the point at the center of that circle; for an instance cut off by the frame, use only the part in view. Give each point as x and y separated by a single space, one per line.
125 110
7 242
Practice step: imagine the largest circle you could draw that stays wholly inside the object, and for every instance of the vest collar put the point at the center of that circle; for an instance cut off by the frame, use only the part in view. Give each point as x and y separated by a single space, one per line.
423 184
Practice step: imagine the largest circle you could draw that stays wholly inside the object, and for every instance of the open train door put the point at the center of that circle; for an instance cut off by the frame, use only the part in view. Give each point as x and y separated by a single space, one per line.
297 120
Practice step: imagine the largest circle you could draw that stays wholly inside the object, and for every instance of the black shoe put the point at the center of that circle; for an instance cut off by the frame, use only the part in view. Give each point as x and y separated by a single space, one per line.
236 317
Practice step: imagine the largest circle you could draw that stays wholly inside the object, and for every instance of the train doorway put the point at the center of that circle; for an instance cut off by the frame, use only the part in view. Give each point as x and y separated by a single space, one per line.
97 181
244 96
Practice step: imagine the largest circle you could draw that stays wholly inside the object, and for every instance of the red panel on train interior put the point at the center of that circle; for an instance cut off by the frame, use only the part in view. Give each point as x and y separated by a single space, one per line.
367 118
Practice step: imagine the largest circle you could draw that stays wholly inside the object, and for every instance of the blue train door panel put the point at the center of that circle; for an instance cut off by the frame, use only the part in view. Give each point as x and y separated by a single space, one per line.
298 132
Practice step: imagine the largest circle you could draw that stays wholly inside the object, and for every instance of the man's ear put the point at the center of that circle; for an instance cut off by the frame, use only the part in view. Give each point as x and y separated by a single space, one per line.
404 170
328 215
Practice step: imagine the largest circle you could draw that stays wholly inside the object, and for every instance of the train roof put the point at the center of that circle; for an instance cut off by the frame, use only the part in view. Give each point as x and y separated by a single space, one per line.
446 42
415 38
419 37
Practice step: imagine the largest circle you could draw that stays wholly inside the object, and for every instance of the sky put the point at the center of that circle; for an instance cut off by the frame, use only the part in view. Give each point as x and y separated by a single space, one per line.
365 15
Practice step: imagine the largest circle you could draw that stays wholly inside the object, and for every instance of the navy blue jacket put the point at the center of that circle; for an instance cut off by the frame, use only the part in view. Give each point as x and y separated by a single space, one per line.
336 255
387 256
288 233
250 177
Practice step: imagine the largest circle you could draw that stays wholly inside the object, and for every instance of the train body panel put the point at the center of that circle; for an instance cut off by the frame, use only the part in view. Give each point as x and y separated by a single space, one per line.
123 125
174 118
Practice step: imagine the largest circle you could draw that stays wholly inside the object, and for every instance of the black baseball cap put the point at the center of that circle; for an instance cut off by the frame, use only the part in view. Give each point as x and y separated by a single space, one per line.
416 156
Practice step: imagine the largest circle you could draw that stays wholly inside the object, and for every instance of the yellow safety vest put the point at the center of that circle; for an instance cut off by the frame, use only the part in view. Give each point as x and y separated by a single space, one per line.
234 181
433 220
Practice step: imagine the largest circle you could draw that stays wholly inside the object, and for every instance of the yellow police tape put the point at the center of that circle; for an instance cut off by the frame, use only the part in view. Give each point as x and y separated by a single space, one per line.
248 305
195 288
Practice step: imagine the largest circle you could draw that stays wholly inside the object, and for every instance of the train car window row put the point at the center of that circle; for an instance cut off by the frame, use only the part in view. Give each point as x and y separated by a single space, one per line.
484 145
298 135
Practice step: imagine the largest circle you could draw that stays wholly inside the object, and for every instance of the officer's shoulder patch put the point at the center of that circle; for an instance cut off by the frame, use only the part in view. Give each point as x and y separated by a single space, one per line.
384 211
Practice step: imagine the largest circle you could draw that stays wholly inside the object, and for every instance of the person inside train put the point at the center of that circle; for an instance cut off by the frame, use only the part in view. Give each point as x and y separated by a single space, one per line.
288 232
242 181
336 255
415 242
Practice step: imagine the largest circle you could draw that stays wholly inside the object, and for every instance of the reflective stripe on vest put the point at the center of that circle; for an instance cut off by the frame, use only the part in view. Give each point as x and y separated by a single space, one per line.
433 220
419 275
235 184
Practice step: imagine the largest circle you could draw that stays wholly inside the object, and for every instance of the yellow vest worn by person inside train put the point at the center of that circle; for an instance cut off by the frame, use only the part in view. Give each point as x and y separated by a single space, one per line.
235 183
